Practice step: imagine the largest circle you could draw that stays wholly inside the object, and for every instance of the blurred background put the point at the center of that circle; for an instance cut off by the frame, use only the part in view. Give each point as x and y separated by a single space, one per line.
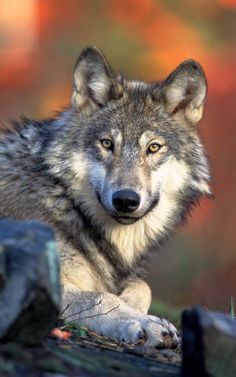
145 39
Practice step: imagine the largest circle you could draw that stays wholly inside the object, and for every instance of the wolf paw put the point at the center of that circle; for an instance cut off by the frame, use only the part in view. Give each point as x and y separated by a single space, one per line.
160 333
154 332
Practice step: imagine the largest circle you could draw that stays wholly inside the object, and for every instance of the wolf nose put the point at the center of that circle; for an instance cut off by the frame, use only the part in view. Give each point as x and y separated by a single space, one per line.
125 201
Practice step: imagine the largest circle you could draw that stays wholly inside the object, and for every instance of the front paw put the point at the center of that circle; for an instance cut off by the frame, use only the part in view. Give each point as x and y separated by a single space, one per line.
160 333
150 331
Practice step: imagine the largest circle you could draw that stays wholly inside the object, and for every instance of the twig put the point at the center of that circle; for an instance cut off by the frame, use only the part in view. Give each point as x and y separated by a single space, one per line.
99 314
83 310
63 311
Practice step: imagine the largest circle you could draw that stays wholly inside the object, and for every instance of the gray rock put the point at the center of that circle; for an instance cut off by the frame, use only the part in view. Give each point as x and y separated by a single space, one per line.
29 281
209 344
3 272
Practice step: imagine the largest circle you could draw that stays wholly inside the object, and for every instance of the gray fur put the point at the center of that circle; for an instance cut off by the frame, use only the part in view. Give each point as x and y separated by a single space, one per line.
59 172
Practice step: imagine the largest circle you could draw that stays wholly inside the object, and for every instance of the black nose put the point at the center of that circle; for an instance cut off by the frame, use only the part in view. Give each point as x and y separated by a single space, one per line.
125 201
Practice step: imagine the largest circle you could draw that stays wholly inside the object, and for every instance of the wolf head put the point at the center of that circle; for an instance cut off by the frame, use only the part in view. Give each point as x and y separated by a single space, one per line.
131 149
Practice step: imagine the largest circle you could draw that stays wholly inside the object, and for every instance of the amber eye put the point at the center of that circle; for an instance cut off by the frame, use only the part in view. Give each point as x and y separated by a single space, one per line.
107 144
153 148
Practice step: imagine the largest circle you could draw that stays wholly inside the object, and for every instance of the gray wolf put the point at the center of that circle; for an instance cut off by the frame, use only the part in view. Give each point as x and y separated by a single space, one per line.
113 175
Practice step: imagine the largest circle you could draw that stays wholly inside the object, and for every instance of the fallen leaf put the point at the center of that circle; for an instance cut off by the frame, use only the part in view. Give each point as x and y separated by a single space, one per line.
62 335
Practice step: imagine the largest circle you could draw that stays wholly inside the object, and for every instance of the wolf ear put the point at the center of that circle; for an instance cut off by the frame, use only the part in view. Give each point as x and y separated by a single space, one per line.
184 92
94 81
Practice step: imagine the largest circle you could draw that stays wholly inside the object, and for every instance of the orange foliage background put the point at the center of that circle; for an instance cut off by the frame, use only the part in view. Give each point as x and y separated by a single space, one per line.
39 42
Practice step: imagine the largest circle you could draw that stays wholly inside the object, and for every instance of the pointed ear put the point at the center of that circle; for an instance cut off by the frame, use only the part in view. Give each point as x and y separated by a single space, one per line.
184 92
94 81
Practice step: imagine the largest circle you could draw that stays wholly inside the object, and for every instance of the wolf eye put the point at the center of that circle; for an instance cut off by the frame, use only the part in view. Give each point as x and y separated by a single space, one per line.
107 144
153 148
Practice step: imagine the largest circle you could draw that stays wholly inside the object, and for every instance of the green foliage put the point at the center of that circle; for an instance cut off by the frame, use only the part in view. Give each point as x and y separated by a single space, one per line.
232 311
164 310
75 328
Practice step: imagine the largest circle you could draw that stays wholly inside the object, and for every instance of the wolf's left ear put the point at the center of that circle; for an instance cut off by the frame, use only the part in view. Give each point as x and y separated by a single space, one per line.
184 92
94 81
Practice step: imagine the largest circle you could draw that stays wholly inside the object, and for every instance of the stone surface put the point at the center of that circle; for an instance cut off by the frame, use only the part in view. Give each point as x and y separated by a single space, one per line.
30 292
209 344
3 272
63 359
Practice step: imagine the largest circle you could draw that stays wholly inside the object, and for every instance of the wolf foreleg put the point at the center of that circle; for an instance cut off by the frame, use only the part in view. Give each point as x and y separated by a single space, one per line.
108 315
137 295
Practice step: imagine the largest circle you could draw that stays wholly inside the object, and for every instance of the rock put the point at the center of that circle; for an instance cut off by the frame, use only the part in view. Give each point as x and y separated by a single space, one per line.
29 278
209 344
3 272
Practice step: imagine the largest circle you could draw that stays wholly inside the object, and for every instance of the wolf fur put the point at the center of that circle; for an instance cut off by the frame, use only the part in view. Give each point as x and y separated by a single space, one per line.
113 175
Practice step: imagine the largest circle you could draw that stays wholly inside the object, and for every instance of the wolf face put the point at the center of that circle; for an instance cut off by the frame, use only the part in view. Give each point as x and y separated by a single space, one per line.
139 154
135 148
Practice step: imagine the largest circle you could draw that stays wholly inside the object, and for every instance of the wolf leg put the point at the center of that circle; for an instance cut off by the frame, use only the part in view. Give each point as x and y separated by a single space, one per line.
108 315
137 295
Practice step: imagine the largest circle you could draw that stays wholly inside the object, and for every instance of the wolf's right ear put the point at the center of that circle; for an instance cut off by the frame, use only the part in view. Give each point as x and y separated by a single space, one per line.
94 81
